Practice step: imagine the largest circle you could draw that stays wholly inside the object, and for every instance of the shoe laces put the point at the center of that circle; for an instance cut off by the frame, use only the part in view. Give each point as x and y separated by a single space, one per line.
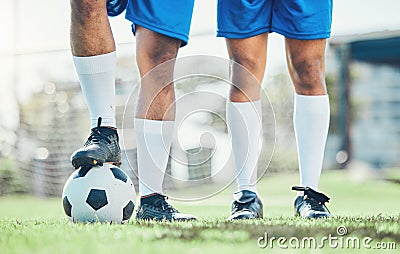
315 204
96 136
241 206
318 196
314 199
165 206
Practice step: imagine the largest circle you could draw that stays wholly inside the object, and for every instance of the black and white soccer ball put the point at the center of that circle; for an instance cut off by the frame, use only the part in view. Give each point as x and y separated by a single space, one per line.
99 194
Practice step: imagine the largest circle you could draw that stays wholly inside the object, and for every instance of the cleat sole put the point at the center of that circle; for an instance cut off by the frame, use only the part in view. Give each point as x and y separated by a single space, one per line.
115 163
82 162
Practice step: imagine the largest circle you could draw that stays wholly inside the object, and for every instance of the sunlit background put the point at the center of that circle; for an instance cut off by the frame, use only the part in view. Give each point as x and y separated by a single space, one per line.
43 117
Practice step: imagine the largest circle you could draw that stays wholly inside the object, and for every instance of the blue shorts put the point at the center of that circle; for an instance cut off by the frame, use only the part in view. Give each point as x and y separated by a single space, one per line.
168 17
296 19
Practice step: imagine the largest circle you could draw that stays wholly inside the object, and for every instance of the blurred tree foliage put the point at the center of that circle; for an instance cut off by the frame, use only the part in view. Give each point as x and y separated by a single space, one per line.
331 82
10 178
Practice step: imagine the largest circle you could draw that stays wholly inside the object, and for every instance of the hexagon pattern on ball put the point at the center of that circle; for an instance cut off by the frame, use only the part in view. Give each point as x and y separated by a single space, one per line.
99 194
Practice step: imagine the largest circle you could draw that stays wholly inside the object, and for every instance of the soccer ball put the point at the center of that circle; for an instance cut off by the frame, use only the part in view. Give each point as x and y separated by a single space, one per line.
99 194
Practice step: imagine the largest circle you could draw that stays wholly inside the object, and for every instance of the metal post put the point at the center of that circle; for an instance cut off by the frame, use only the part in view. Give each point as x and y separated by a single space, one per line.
342 53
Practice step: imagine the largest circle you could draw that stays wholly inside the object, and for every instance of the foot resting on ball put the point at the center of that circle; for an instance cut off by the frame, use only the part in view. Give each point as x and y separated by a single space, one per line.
156 207
101 147
312 204
246 205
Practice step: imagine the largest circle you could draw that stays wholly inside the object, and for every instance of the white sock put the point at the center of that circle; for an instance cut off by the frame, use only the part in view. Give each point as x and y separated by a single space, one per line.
153 140
97 78
244 121
311 123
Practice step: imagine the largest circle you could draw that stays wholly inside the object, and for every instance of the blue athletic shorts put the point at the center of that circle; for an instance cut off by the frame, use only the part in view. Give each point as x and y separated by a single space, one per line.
168 17
296 19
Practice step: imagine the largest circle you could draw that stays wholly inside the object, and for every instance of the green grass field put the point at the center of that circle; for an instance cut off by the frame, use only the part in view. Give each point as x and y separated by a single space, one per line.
368 209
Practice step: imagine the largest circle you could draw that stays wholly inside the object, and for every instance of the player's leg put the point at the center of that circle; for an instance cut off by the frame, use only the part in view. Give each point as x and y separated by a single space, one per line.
155 55
311 108
247 44
244 116
306 26
311 113
154 120
157 46
93 52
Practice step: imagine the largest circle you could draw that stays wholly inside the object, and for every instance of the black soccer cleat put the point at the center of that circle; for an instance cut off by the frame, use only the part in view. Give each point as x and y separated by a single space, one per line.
312 204
155 207
246 205
101 147
116 7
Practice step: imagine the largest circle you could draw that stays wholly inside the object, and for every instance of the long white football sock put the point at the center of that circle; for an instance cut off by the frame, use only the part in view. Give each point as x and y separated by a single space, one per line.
153 139
97 78
311 123
244 121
